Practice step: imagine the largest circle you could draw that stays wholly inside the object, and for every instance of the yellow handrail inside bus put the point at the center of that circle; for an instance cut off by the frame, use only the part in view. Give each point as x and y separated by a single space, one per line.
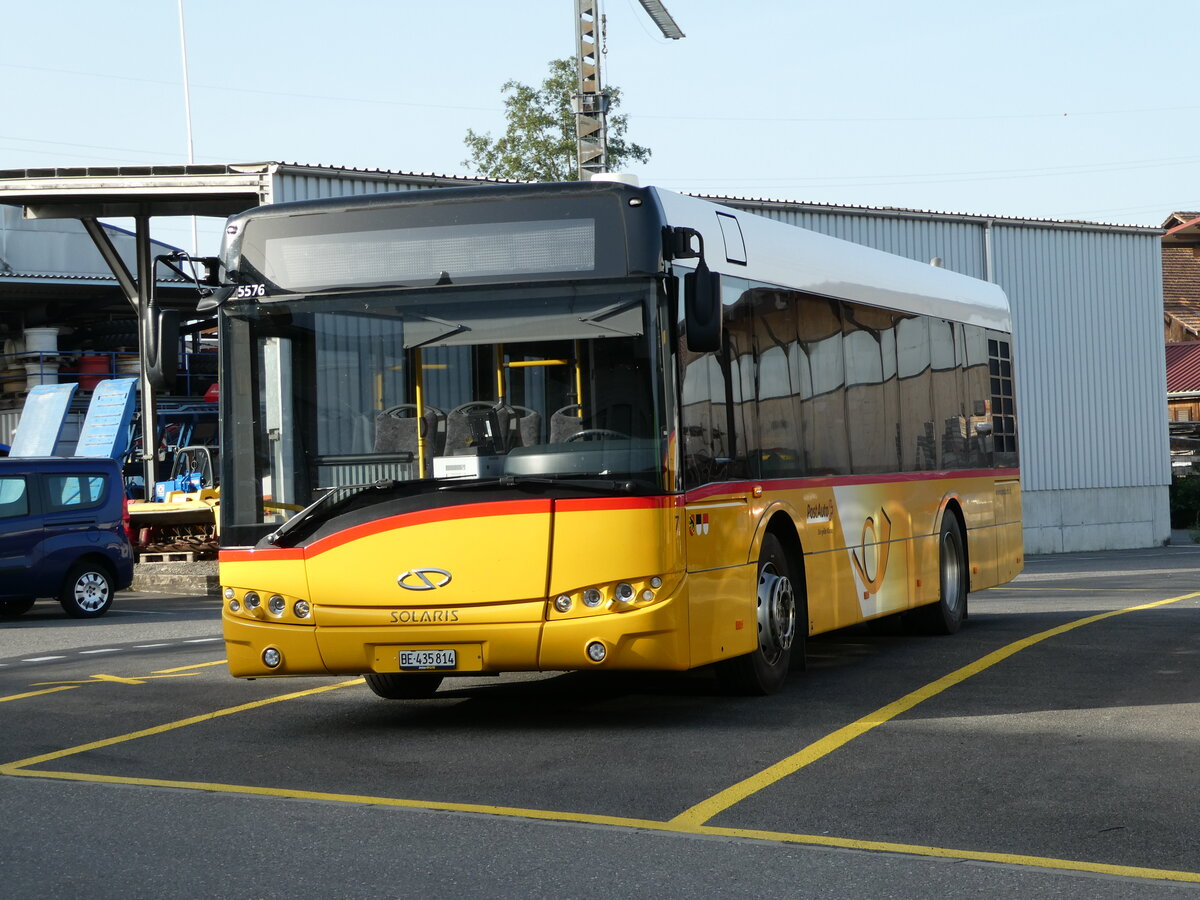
419 391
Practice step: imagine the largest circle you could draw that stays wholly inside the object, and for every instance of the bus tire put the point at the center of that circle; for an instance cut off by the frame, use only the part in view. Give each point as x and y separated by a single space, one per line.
765 670
397 686
947 615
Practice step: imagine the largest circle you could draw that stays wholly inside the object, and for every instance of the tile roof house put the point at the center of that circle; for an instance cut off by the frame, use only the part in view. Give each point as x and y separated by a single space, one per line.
1181 280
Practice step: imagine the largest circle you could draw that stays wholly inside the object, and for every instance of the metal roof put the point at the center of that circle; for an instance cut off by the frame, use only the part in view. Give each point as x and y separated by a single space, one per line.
1186 234
1183 368
97 191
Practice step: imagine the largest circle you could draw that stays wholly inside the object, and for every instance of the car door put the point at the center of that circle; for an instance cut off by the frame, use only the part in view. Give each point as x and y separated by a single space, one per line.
71 526
20 534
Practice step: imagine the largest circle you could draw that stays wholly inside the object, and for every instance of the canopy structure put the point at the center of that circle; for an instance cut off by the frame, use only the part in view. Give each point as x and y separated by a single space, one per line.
139 193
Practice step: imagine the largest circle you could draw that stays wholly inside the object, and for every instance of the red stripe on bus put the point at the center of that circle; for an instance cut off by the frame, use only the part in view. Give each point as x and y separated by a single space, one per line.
424 517
826 481
256 554
598 504
404 520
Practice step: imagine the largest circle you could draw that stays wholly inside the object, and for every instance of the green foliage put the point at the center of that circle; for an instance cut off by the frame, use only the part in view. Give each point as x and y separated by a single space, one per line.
539 142
1185 501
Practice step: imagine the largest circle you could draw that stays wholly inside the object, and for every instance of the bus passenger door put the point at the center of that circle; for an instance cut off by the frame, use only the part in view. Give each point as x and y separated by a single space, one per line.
718 417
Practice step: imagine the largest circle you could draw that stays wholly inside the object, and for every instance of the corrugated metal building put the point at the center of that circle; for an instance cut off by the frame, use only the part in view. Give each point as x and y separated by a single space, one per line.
1087 305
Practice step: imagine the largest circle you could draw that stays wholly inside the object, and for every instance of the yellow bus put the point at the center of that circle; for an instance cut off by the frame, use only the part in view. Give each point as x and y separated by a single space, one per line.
595 426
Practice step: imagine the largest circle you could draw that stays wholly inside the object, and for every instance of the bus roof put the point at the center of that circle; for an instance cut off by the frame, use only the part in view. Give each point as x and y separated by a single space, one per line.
800 259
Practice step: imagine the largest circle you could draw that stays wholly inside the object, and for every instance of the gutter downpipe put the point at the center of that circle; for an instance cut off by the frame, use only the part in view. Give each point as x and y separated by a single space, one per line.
988 265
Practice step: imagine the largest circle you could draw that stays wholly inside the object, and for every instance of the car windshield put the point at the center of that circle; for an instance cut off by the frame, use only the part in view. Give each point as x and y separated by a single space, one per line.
439 388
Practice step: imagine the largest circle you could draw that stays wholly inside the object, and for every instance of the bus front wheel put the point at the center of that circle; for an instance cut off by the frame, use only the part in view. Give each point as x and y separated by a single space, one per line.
394 686
946 616
764 670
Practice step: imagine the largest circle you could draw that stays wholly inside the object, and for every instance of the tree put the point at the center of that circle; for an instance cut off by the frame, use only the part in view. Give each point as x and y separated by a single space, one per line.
539 143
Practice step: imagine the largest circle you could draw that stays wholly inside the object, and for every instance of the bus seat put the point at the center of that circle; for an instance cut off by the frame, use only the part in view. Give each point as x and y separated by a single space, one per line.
525 426
396 429
564 423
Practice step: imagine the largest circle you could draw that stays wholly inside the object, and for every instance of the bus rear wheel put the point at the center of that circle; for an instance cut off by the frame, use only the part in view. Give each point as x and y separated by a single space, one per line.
764 670
947 615
395 686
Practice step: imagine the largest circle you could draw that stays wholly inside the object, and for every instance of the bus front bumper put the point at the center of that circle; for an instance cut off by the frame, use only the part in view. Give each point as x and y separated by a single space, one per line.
652 637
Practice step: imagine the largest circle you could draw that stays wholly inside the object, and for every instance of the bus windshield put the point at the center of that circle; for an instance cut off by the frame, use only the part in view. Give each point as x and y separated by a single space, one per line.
441 387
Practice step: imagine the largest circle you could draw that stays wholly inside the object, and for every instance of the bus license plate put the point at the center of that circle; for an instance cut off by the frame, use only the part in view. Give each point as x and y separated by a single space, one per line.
428 659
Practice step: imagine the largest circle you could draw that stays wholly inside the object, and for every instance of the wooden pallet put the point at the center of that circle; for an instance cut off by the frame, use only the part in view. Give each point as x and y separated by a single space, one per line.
176 556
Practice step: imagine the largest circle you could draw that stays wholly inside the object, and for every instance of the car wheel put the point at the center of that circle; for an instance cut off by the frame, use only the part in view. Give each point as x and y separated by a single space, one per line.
87 591
397 686
10 609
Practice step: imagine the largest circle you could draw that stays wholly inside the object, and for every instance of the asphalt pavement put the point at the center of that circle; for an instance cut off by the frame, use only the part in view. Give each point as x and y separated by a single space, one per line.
1048 749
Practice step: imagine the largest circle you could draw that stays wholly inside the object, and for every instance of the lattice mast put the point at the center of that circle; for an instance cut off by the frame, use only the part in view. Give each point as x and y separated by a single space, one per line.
591 99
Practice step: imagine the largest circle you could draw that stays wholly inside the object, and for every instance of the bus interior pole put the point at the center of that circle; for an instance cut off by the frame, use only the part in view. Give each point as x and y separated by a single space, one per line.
145 285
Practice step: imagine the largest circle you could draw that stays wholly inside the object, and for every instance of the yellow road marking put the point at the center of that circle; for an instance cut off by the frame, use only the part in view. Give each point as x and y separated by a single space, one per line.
543 815
1012 859
705 810
11 768
114 679
691 821
219 662
52 690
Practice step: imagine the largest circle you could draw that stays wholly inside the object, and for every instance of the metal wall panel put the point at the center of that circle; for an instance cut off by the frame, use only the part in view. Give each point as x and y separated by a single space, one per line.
1087 323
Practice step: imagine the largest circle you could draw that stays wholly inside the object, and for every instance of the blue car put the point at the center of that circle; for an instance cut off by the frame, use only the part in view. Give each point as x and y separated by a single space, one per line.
63 533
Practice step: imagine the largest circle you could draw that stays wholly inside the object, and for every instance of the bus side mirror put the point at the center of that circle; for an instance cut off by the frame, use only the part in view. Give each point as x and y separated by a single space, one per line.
160 344
702 309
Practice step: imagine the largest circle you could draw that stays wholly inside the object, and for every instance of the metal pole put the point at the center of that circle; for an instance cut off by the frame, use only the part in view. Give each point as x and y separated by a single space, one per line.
145 281
187 113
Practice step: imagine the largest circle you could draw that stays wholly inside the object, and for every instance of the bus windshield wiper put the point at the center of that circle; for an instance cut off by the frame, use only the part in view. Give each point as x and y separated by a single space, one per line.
309 511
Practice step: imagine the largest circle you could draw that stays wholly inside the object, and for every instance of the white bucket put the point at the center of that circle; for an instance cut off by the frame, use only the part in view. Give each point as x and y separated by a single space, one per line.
41 340
36 373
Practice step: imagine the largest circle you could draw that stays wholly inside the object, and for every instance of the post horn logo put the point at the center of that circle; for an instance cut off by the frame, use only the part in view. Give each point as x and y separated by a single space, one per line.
424 579
870 559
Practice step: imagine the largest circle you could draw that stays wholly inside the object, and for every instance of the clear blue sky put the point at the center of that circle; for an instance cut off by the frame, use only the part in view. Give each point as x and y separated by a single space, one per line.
1032 108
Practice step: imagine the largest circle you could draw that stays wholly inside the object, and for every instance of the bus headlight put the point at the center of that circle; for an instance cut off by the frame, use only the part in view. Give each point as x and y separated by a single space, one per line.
592 598
624 592
251 599
302 609
562 603
276 605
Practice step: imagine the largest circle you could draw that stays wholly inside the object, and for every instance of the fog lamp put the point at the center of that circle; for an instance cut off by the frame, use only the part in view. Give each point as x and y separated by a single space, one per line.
271 658
276 605
592 598
596 651
302 609
562 603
